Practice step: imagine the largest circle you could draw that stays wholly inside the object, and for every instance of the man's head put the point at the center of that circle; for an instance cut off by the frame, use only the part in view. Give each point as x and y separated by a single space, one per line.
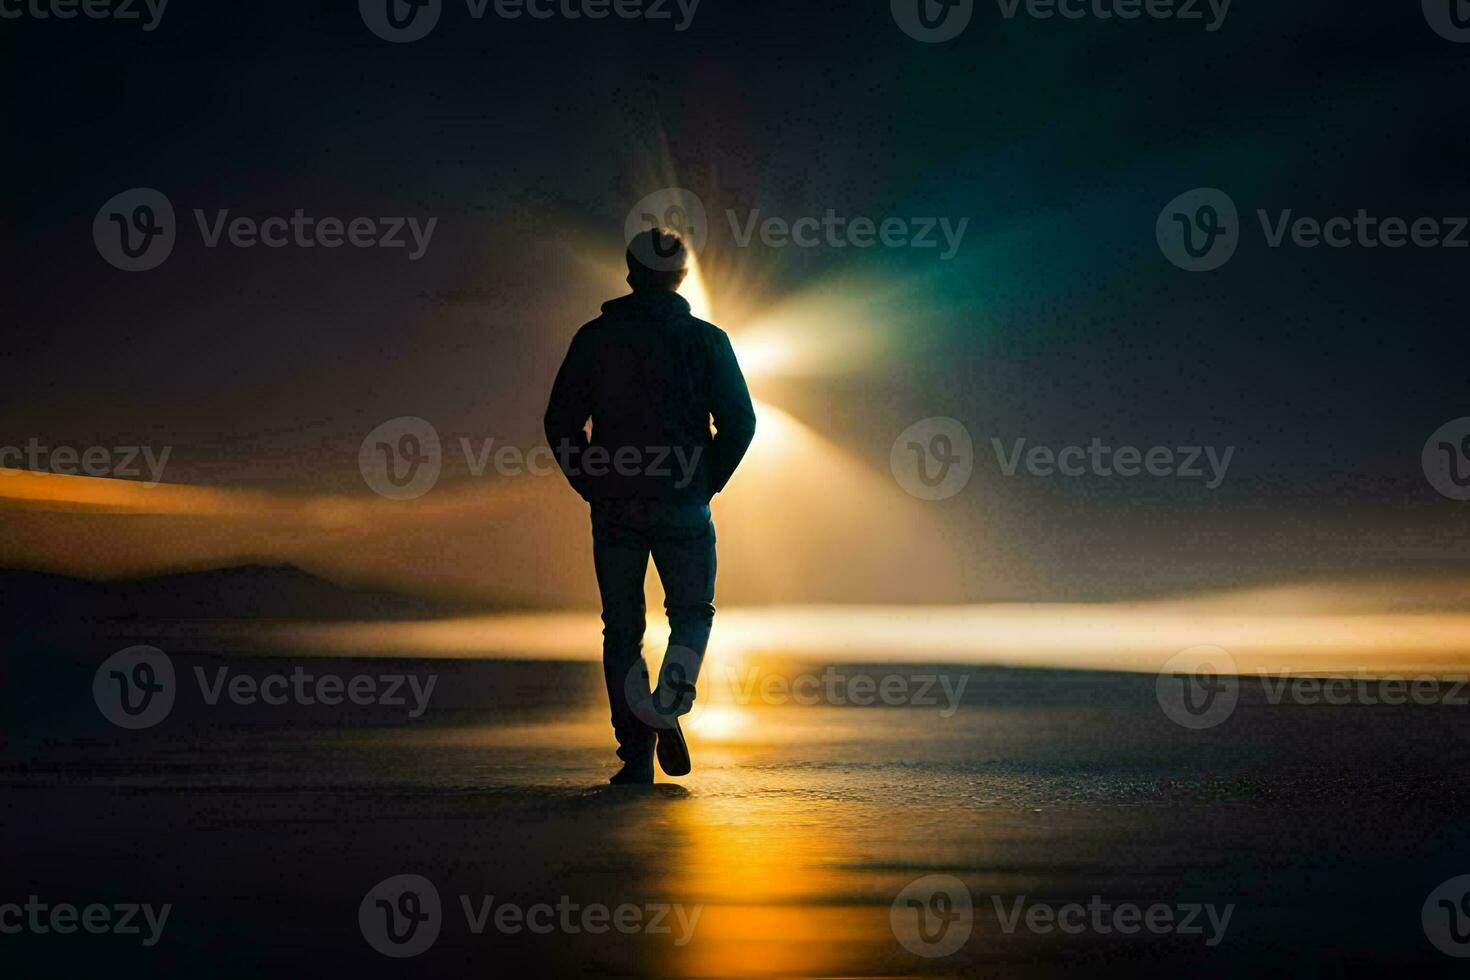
657 259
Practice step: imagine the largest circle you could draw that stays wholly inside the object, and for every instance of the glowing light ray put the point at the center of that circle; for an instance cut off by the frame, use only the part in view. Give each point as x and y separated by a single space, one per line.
696 291
801 497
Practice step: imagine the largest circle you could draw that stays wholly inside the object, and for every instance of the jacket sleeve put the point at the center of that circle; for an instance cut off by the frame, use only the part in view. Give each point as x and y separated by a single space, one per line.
733 414
567 412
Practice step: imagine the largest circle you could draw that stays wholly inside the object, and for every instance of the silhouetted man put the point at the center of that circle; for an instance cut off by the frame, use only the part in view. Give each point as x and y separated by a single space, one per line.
650 377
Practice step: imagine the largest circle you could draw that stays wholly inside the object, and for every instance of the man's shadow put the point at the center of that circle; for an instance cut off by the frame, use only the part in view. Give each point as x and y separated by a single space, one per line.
641 793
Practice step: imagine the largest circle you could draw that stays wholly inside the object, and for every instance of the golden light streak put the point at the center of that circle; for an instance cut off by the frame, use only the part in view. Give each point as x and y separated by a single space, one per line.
54 491
696 292
1126 637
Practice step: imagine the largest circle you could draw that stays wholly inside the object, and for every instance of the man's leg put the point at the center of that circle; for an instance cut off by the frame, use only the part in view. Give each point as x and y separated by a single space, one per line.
683 546
620 552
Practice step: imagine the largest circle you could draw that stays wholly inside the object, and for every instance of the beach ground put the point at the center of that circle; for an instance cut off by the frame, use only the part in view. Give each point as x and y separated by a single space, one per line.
1322 829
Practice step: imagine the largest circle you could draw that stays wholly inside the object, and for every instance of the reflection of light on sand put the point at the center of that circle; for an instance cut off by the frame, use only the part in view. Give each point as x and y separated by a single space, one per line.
773 860
718 722
766 876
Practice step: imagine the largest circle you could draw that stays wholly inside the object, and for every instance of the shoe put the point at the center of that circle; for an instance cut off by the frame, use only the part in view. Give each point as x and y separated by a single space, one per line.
638 772
673 751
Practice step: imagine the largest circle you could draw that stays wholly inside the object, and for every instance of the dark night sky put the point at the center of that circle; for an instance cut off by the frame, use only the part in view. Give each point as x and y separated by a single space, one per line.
1058 320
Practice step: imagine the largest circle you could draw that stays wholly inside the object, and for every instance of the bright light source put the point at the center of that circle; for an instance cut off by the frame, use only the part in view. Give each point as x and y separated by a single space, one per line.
762 355
696 292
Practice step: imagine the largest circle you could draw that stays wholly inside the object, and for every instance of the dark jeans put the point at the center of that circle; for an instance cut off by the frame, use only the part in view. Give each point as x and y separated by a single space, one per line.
681 539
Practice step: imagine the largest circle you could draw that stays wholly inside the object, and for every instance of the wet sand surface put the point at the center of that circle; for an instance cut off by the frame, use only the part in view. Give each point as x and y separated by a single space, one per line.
1323 829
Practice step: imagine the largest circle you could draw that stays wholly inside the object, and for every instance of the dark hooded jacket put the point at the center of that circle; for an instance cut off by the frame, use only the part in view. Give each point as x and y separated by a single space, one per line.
650 376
